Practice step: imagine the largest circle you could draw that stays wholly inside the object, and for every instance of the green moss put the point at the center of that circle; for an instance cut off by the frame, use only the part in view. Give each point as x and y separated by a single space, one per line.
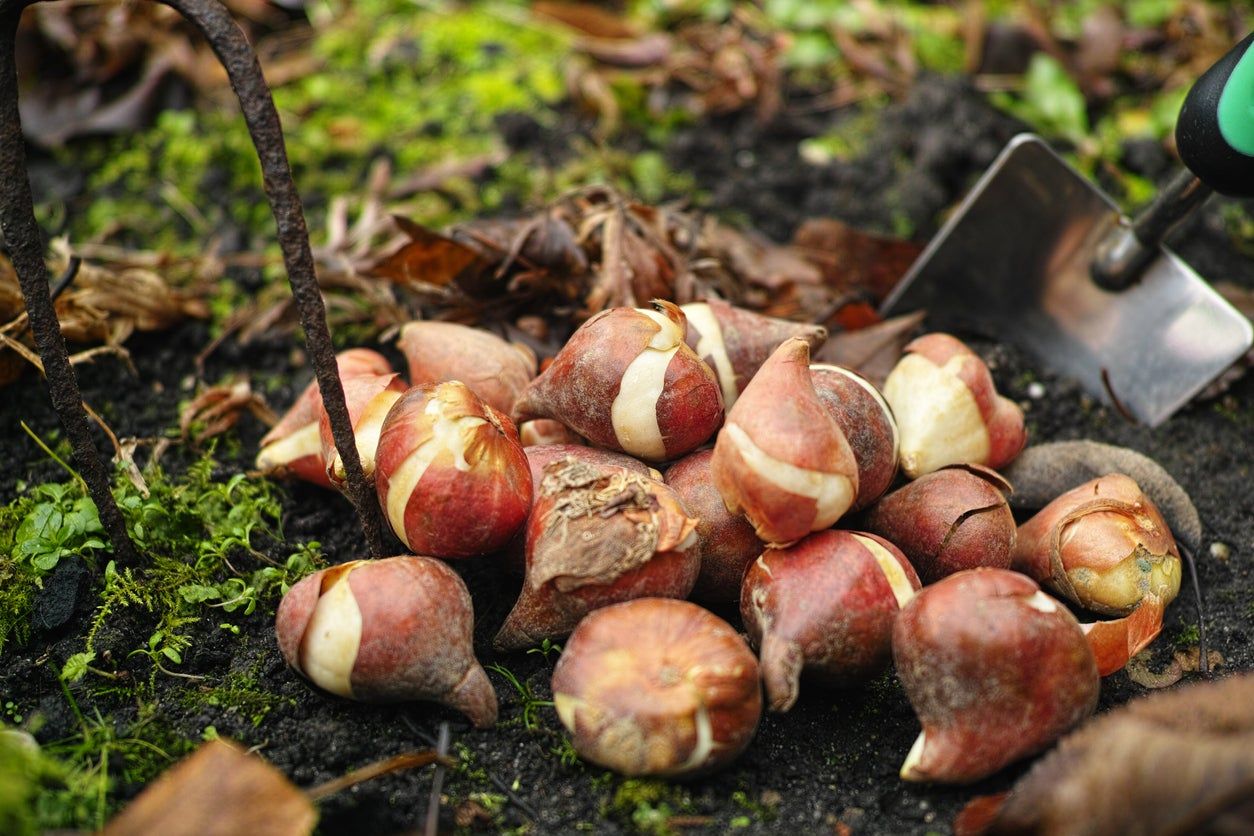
647 804
1187 637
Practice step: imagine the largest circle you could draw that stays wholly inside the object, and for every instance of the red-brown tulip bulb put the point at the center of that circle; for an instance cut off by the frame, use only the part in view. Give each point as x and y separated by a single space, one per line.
388 630
657 687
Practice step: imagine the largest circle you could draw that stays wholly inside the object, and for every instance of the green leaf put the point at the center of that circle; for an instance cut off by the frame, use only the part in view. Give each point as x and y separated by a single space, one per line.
75 667
172 654
194 593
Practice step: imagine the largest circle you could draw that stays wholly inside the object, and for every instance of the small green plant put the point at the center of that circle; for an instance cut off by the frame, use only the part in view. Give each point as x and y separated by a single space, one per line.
546 648
531 705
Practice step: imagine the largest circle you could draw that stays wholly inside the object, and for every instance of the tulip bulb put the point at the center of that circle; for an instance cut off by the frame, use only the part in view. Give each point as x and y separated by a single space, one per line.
728 543
388 630
451 475
546 431
627 381
598 535
995 669
948 409
949 520
368 397
825 605
1103 545
735 342
495 370
781 459
293 447
867 422
657 687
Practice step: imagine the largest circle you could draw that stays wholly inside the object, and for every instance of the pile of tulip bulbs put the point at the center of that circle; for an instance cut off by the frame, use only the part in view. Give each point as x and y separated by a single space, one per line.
669 453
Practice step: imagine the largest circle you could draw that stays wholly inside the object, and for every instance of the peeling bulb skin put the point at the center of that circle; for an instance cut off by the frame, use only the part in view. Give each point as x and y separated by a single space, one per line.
390 630
293 447
451 476
1103 545
728 543
825 605
735 342
953 519
495 370
996 671
657 687
867 422
948 410
781 459
628 382
598 535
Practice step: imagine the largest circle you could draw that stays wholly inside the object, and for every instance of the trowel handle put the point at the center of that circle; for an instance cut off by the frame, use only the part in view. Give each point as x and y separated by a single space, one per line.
1215 131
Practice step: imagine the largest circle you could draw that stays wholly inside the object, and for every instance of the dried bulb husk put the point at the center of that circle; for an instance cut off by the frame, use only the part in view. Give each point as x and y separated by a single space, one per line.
495 370
948 409
368 397
996 670
451 474
598 535
728 542
293 447
389 630
657 687
1103 545
825 605
949 520
781 459
735 342
628 382
867 422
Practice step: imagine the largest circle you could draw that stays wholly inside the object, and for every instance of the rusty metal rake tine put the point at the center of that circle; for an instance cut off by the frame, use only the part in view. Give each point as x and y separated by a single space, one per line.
231 46
25 245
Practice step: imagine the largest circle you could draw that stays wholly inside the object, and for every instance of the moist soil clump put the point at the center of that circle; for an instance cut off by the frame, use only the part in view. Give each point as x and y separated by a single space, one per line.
832 759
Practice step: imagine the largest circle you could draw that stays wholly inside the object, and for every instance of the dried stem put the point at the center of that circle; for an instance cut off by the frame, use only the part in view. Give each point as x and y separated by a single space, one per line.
25 245
231 46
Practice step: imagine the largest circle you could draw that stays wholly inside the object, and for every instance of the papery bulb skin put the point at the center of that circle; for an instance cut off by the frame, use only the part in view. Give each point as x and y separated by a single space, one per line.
390 630
996 671
628 382
948 409
598 535
293 447
495 370
452 477
781 459
728 542
659 687
949 520
826 606
735 342
867 422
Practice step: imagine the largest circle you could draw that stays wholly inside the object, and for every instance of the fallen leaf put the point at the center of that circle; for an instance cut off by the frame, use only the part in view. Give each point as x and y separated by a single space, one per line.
853 260
871 351
586 18
220 789
427 258
1180 761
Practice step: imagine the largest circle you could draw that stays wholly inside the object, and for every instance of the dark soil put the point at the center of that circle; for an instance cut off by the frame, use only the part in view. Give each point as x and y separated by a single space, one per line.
834 758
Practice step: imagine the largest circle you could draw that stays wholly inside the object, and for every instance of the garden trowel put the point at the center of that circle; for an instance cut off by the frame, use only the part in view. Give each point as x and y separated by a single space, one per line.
1039 256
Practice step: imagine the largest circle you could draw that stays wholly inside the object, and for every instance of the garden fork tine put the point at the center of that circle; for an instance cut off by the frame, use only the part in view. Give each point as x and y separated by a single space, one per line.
22 234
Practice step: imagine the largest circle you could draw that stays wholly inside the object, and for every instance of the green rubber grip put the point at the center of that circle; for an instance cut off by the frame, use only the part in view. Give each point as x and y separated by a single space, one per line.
1215 131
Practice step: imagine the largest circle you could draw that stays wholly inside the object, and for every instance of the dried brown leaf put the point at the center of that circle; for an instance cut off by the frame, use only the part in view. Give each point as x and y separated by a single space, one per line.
587 18
853 260
871 351
1180 761
427 258
220 789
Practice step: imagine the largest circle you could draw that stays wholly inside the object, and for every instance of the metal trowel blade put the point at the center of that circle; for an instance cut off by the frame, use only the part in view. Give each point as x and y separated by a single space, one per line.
1013 263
